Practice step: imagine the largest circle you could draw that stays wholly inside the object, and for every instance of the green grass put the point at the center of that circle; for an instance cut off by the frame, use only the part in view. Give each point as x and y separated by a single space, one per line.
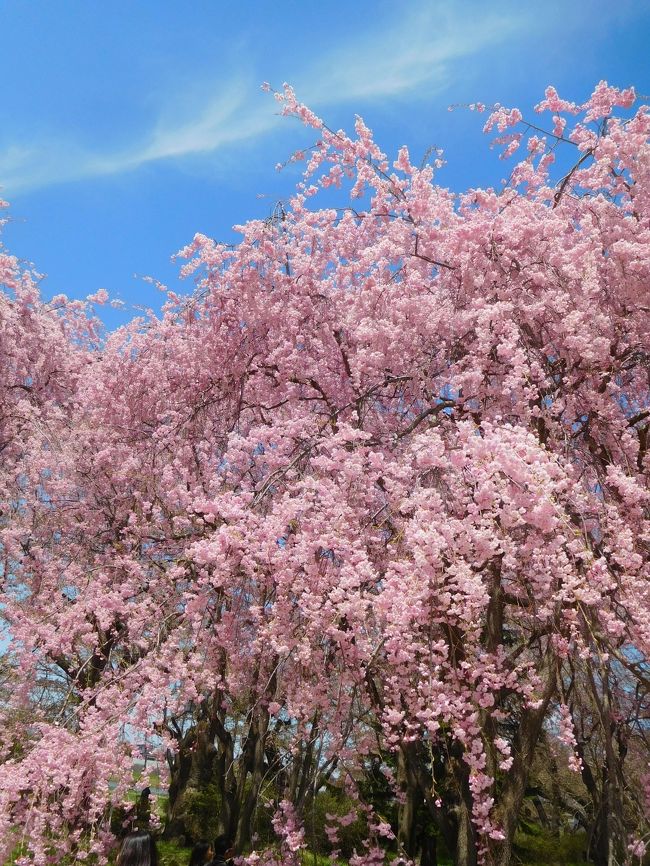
307 858
537 848
564 851
531 849
173 855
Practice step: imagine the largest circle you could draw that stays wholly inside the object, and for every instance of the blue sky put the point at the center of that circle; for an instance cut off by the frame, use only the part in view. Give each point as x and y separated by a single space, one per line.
128 126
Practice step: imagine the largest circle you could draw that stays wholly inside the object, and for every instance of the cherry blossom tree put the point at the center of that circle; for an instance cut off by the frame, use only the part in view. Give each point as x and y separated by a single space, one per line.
607 719
382 477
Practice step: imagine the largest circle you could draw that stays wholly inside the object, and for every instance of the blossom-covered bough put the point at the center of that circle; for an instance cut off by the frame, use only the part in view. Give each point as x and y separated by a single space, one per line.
378 489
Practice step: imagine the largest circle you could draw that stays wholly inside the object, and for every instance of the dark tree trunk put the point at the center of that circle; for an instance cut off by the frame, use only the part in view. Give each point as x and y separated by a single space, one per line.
466 853
514 787
407 830
180 769
250 780
429 855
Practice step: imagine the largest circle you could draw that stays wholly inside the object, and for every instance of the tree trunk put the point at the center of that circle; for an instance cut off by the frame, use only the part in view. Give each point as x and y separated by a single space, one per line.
429 855
180 769
251 775
192 766
406 814
466 839
514 788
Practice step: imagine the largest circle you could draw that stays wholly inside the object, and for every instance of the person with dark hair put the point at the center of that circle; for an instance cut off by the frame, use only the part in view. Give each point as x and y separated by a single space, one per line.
202 853
138 849
223 850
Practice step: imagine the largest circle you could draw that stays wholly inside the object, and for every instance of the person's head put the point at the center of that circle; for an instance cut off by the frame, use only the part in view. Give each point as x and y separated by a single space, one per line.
201 853
138 849
222 847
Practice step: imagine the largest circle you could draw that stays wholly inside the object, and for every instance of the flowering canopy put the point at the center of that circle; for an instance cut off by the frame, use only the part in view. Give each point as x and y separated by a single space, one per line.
387 467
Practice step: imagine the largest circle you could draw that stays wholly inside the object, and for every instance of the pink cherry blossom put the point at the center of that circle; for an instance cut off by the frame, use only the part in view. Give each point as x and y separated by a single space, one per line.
379 485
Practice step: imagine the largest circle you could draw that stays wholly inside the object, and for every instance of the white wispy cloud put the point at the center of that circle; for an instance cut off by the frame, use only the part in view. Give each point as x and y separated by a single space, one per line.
421 53
222 120
416 55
